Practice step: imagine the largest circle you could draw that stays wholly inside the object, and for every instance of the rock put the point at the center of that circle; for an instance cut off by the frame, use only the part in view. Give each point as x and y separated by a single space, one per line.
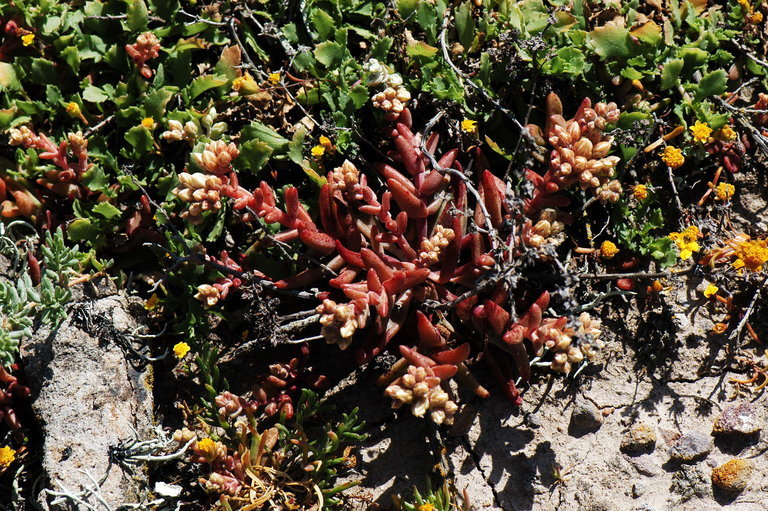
691 446
689 482
742 418
533 420
638 490
733 476
585 418
88 397
644 464
639 438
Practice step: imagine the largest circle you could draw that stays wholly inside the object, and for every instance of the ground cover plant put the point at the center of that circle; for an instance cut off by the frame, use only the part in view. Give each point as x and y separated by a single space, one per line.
445 192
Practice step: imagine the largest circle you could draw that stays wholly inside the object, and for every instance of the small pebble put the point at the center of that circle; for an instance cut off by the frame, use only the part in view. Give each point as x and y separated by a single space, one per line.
586 417
742 418
638 439
533 420
733 476
691 446
638 490
690 482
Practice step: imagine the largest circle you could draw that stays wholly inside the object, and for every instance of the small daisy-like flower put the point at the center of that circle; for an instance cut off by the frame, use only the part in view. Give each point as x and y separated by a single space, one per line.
640 192
318 151
725 133
151 303
686 241
148 123
7 456
274 78
751 255
719 328
672 156
724 191
608 250
73 109
28 39
426 507
701 131
711 290
181 349
469 126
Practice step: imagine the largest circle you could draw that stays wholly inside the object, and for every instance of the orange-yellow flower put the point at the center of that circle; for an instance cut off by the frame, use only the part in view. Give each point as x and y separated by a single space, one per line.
725 133
151 303
318 151
7 456
181 349
27 39
751 255
672 156
469 126
701 131
686 241
640 192
608 250
711 290
724 191
148 123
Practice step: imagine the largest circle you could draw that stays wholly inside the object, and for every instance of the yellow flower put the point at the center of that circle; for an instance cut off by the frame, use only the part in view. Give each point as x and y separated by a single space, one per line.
469 126
711 290
719 328
640 192
274 78
148 123
27 39
751 255
426 507
245 85
7 456
686 241
724 191
73 109
673 157
701 131
608 249
318 151
755 18
725 133
181 349
151 303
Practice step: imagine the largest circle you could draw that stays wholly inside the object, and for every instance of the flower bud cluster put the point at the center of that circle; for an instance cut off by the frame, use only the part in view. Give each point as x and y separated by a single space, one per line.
559 339
392 99
547 230
22 137
217 157
421 389
345 178
146 47
339 322
430 249
177 131
202 191
377 73
577 158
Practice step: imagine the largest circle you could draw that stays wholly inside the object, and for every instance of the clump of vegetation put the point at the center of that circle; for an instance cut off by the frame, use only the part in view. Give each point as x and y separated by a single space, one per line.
438 186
